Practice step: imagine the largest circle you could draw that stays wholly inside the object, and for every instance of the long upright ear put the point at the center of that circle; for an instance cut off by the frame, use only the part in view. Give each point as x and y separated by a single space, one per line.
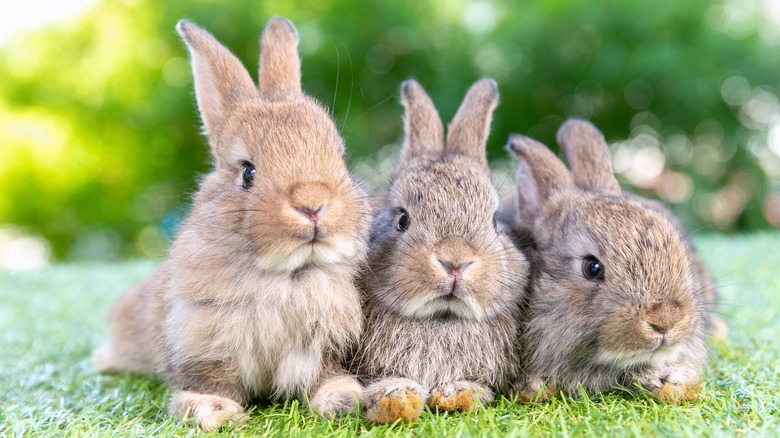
424 132
220 79
540 175
588 155
468 132
280 65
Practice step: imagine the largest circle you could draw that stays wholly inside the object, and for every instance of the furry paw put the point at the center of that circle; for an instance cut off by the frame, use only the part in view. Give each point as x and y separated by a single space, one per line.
209 411
673 387
388 400
677 393
461 396
104 359
336 396
536 390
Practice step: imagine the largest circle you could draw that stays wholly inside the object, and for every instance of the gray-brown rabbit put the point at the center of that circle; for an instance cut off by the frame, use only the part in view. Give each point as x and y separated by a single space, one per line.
619 296
443 288
256 297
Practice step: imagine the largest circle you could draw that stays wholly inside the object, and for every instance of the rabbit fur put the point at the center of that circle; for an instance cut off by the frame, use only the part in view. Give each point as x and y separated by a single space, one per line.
443 289
646 319
256 297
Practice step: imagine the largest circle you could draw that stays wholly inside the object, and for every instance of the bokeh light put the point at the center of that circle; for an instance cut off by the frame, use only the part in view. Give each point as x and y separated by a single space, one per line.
101 146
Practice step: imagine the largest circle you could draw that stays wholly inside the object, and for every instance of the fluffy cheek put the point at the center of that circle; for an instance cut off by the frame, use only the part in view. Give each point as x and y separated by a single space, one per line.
415 283
278 234
621 332
486 280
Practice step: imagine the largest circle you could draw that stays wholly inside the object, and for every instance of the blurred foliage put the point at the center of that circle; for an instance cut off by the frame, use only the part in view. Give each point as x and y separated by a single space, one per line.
99 132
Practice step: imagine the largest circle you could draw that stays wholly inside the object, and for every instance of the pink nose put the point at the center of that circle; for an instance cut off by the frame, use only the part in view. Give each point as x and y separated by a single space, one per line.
313 214
454 269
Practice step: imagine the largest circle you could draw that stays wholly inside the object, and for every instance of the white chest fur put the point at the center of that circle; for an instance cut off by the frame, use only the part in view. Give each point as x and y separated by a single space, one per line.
274 329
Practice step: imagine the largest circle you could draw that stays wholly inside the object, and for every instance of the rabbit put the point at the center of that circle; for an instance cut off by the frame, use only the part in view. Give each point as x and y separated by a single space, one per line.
444 288
257 297
618 296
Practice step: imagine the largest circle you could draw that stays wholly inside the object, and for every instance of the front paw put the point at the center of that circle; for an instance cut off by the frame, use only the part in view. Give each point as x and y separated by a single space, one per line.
207 410
673 387
336 396
388 400
460 396
535 391
678 393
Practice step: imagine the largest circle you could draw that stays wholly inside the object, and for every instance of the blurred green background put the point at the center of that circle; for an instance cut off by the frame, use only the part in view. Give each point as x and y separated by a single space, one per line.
100 146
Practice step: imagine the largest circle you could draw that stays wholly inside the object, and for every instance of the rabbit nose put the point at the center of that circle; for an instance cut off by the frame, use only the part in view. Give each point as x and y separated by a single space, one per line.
660 329
454 269
312 213
664 316
310 199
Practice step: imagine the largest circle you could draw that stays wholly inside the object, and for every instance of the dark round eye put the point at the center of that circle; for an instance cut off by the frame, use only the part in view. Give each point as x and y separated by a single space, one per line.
592 268
248 174
403 221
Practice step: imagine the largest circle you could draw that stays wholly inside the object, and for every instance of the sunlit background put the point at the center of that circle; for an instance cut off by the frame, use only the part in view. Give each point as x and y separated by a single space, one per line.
99 143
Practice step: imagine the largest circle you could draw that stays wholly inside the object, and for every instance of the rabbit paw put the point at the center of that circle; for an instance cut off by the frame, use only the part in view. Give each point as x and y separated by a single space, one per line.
336 396
105 361
678 386
673 387
388 400
209 411
461 396
678 393
536 390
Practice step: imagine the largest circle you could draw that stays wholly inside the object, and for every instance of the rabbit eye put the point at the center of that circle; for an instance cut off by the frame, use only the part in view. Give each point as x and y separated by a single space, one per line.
248 174
592 268
403 221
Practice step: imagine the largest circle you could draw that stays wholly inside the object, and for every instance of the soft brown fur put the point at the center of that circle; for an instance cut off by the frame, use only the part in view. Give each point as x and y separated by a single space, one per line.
646 321
429 332
256 297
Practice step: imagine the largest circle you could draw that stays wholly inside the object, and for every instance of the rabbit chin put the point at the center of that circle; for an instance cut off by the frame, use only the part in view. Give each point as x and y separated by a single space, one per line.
297 255
654 358
441 307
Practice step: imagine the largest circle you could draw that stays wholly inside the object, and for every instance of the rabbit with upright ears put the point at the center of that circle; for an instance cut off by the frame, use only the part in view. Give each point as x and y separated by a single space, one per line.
443 288
256 297
619 297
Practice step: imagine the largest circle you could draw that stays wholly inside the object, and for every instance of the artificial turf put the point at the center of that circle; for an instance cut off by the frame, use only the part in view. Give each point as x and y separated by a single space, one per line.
51 319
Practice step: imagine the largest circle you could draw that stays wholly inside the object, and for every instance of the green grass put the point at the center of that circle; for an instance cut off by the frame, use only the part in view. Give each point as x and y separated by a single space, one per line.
50 320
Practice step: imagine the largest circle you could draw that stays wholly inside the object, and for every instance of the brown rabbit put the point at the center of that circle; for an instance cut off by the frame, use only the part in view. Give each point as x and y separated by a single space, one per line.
619 296
443 286
256 297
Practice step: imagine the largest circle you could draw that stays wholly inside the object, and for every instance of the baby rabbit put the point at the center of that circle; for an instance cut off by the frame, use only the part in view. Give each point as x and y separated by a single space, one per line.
256 297
443 287
619 296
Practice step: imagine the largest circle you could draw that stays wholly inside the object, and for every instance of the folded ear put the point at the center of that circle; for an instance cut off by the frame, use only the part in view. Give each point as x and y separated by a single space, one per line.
468 132
539 176
280 65
220 79
424 132
587 152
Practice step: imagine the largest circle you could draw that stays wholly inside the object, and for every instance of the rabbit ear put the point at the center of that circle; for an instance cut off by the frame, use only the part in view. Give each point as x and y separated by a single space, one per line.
468 132
220 79
588 155
527 204
540 175
280 65
424 132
